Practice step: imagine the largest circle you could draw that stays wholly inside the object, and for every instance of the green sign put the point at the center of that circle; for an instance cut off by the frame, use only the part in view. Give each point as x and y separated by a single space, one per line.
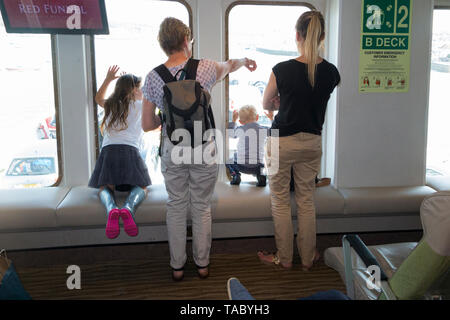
384 64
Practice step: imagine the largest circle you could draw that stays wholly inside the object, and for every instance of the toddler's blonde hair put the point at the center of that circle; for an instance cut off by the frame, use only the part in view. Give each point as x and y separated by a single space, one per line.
248 113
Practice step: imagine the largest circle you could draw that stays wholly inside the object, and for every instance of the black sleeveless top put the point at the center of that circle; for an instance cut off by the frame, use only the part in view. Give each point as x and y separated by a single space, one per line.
302 108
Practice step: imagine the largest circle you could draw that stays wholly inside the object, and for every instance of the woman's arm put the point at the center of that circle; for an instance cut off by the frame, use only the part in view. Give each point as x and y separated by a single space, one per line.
271 99
232 65
150 121
110 76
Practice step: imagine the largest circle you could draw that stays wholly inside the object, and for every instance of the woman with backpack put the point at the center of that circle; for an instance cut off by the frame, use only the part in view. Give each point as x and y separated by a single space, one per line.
299 89
189 185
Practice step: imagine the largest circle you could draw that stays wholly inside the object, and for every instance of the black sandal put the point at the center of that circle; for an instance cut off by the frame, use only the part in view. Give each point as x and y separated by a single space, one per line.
200 275
177 279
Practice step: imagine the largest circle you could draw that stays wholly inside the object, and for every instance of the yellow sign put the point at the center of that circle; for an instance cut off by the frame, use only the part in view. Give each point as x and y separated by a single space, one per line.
384 63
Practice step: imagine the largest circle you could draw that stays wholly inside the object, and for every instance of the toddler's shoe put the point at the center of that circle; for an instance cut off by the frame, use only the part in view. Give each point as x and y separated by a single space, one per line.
235 179
262 181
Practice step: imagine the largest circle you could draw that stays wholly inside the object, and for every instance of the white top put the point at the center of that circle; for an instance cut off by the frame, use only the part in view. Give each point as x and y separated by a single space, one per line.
133 135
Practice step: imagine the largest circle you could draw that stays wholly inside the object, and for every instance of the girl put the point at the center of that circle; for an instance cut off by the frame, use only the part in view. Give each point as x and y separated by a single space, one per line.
120 165
300 89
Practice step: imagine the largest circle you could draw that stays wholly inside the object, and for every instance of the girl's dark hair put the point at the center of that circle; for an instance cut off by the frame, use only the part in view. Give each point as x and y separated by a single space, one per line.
311 27
116 106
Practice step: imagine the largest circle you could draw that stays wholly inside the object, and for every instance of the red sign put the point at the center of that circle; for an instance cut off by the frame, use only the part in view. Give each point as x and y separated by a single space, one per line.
55 16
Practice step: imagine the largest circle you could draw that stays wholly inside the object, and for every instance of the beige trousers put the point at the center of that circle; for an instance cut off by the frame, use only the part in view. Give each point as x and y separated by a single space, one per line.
302 152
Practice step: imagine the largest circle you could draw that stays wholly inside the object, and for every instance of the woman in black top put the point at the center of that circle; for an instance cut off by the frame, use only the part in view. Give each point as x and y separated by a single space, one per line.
299 89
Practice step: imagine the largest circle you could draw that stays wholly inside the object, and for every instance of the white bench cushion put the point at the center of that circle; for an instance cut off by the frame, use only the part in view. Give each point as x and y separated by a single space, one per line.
439 183
30 208
384 200
250 202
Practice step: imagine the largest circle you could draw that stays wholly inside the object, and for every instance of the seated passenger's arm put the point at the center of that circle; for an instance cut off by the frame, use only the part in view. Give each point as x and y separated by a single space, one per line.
224 68
271 99
150 120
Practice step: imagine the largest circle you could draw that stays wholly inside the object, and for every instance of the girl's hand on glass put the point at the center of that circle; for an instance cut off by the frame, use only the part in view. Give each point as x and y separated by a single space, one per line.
112 71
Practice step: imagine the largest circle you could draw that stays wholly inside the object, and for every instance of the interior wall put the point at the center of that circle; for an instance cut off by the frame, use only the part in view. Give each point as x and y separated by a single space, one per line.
381 137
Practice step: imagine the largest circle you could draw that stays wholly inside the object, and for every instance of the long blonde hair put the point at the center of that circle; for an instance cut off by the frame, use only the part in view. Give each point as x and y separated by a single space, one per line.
311 27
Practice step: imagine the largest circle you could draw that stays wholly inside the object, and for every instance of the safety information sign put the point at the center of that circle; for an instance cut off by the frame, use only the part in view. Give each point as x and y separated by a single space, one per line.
384 63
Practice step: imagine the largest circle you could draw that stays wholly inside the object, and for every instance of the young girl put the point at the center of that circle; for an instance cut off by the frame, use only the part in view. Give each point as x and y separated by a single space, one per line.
120 165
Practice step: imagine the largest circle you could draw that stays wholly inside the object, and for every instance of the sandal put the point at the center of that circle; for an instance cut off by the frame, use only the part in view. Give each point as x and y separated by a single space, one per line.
177 278
203 275
272 261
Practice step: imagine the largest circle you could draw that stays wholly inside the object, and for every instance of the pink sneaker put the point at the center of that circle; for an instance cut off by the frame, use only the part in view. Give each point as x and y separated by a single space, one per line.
128 222
112 226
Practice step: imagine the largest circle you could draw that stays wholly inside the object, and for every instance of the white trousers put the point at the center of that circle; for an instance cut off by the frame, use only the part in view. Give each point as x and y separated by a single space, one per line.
190 188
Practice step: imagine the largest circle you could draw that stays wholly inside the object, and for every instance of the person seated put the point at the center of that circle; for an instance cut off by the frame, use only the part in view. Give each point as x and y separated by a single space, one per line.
237 291
248 159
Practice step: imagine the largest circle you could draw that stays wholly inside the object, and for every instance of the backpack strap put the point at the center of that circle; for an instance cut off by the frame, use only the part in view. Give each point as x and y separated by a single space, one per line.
191 69
165 74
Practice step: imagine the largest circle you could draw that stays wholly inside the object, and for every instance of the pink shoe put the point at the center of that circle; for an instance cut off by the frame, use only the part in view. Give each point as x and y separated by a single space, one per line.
128 222
112 226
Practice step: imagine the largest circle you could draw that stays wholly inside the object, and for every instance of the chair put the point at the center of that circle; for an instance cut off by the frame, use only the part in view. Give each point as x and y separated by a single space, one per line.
401 271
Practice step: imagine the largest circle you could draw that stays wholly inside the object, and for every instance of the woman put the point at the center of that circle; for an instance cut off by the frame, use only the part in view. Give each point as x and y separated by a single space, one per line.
189 186
299 89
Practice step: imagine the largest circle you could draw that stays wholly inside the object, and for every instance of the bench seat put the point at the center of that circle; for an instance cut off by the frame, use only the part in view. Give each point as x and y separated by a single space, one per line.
439 183
61 216
30 209
386 200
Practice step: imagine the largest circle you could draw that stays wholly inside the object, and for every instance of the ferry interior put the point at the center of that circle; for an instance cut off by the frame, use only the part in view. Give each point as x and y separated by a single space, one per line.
382 223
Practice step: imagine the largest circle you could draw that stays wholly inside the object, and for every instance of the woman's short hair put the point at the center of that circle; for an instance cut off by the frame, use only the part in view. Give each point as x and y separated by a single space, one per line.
171 36
247 113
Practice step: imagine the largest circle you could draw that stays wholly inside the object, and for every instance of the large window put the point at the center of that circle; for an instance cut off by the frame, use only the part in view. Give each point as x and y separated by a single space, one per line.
27 112
438 153
132 44
250 35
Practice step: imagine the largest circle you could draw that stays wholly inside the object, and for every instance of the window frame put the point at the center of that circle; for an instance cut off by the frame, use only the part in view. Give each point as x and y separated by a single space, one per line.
59 145
94 74
53 56
435 7
227 46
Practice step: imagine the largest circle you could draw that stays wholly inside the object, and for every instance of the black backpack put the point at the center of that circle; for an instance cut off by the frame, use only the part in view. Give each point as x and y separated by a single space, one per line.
185 102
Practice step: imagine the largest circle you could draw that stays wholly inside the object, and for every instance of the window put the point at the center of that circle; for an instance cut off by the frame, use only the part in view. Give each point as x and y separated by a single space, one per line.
438 151
28 128
267 44
132 45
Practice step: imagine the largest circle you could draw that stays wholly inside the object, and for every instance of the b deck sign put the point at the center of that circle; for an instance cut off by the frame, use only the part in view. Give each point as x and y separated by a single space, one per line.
384 63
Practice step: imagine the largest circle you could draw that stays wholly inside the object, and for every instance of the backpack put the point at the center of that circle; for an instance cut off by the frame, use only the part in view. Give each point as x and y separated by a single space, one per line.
185 102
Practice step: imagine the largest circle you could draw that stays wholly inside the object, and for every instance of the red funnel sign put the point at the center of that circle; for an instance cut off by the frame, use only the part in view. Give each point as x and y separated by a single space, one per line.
55 16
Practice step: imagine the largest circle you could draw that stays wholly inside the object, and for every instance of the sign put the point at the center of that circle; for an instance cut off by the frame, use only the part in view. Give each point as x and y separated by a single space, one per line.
384 63
55 16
